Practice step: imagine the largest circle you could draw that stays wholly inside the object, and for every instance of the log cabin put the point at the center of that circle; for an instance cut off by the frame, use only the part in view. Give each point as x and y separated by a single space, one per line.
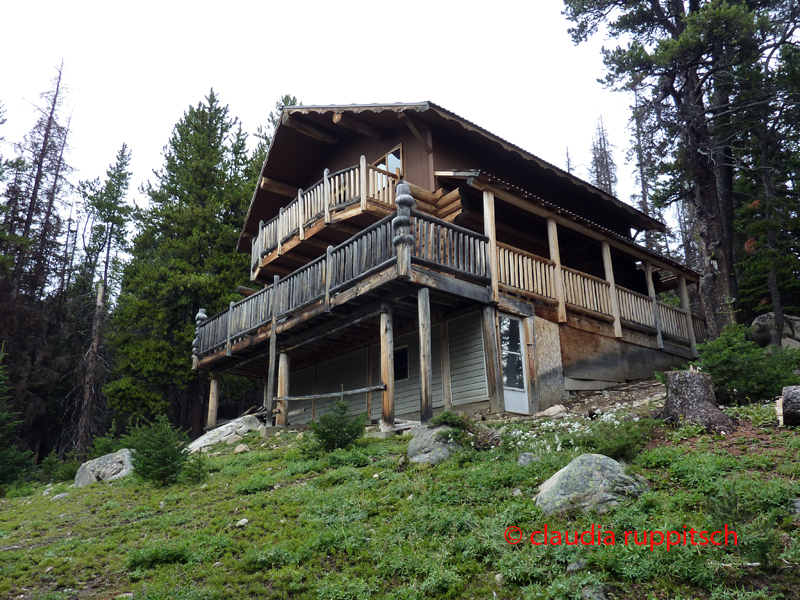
410 261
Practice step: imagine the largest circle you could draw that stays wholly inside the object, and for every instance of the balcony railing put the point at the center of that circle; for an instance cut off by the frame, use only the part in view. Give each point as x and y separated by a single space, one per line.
333 193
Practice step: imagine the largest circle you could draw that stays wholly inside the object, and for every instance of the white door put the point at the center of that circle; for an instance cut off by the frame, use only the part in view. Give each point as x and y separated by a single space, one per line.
512 357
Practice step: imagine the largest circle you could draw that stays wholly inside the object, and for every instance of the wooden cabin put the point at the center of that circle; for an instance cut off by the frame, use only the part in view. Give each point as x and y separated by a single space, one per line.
411 261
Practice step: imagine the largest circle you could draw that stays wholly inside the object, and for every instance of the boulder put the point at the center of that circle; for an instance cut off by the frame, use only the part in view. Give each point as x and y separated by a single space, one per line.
238 426
765 324
106 468
590 482
427 446
791 406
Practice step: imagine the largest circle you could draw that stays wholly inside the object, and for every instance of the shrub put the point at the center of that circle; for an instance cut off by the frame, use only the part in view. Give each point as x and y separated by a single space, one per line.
13 462
157 553
617 439
337 429
158 451
108 444
742 371
195 470
54 469
464 431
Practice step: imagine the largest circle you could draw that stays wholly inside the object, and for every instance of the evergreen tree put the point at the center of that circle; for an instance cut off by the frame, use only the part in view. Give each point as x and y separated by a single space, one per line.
603 169
183 258
12 461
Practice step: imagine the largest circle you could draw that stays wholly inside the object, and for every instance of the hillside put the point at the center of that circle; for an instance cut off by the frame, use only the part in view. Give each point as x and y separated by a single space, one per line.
365 523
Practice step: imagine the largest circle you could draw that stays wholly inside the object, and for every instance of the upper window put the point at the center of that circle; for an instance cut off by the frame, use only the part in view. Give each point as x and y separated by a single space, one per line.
391 161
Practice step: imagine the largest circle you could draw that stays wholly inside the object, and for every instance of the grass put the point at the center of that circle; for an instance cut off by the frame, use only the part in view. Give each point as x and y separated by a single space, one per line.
360 523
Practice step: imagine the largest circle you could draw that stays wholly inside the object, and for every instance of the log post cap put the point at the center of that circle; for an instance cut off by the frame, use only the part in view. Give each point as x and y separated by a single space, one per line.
404 198
201 316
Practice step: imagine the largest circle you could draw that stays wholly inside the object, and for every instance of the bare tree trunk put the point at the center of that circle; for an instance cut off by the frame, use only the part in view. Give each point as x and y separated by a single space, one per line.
90 379
772 243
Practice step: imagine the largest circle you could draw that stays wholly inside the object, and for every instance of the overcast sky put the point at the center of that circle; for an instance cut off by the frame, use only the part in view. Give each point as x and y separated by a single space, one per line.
132 69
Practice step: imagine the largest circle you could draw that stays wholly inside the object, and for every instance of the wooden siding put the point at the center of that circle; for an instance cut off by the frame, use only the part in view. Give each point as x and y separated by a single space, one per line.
348 371
549 374
467 366
301 383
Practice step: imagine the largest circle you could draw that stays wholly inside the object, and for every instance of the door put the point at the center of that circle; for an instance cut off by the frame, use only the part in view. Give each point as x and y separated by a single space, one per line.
512 357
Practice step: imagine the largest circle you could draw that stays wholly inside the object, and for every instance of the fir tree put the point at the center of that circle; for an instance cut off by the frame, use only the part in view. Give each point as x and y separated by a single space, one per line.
13 462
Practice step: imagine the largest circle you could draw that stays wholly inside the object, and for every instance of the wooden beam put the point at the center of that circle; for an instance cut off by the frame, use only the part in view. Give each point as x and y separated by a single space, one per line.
425 358
444 340
448 199
688 312
278 187
413 128
368 389
358 125
494 370
283 389
308 129
558 275
612 289
387 366
651 291
490 232
419 193
245 291
213 402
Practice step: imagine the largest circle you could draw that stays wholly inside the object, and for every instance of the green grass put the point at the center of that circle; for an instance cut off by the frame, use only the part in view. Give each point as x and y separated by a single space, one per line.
359 524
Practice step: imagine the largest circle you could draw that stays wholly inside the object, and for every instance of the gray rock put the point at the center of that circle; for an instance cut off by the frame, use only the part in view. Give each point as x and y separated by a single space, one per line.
764 324
239 426
427 446
499 579
593 592
590 482
796 504
576 566
232 439
241 448
516 493
791 406
106 468
242 523
217 564
527 458
59 496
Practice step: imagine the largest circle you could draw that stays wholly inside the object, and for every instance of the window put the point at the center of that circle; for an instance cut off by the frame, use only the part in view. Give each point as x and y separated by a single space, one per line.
511 353
401 363
391 161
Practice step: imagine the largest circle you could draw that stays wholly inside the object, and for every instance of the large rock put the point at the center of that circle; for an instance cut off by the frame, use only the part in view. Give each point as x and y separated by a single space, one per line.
427 446
590 482
764 324
106 468
238 426
791 406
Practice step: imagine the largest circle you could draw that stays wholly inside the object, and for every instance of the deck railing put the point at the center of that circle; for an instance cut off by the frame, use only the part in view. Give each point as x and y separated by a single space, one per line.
636 308
333 192
527 272
586 291
699 325
673 321
448 247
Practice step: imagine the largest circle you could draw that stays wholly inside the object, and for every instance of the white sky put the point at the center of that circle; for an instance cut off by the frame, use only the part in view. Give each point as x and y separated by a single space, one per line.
133 68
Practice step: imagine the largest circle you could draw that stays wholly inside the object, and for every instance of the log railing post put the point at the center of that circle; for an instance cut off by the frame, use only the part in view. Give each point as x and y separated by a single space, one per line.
651 291
364 181
326 195
328 277
283 389
687 311
213 402
425 368
230 326
403 240
387 367
490 231
301 211
612 289
558 274
279 227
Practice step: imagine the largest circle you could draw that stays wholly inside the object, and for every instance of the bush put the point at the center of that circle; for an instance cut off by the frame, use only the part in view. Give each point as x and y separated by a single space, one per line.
108 444
54 469
158 451
336 429
743 372
617 439
13 462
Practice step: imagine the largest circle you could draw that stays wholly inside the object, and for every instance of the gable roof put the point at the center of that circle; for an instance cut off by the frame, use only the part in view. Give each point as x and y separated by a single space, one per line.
282 162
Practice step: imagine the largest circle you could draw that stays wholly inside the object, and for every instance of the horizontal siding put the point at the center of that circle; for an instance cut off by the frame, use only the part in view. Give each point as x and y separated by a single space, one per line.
301 383
467 364
349 371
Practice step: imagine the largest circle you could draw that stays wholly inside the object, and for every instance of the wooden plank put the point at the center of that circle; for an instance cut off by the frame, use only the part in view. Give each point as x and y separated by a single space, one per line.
444 283
447 391
419 193
612 289
688 314
368 389
448 199
283 389
491 345
387 366
425 358
308 129
528 339
358 125
213 402
558 275
278 187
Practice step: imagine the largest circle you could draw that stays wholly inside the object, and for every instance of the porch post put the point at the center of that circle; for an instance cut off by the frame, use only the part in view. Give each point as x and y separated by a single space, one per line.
490 231
425 368
494 370
283 389
387 367
447 392
403 240
300 215
326 192
687 310
213 402
364 182
612 289
651 291
555 256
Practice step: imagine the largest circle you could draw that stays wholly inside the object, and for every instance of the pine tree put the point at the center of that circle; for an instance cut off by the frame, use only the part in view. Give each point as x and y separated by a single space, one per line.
603 169
183 258
13 462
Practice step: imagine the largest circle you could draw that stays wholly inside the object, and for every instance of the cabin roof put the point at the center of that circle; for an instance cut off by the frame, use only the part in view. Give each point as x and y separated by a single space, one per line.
293 154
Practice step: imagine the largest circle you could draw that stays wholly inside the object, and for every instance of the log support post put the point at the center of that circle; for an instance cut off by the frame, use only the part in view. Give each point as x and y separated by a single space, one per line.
387 368
425 367
651 291
328 277
213 402
490 231
447 391
558 275
364 179
280 225
230 330
326 192
283 389
494 370
612 289
269 394
687 311
301 217
403 240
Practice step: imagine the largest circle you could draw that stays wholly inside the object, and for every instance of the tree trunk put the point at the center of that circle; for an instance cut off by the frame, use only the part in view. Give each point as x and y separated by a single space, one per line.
690 399
90 379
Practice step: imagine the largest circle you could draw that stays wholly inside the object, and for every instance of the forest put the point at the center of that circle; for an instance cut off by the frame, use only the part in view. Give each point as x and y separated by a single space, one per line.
98 296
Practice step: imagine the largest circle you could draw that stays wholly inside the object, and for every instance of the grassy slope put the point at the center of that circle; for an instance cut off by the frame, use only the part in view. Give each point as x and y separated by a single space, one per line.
359 524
